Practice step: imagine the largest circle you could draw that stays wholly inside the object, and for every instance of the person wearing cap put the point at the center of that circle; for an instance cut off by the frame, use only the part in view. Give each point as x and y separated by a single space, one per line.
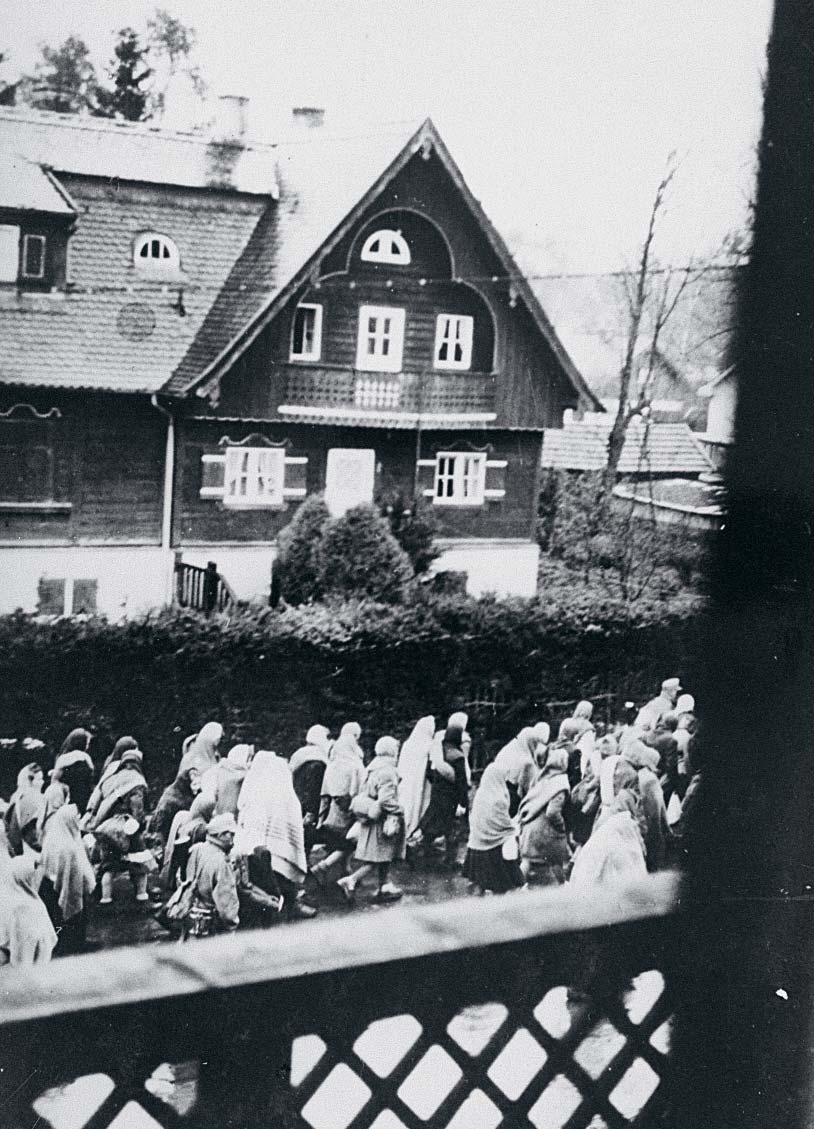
215 904
651 714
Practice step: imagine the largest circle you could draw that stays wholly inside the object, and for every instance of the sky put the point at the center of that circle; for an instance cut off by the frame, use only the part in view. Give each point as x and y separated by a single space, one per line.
561 113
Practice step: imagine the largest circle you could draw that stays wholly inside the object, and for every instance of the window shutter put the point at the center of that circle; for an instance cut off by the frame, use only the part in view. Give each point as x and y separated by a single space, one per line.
213 471
495 489
84 597
50 596
426 479
296 470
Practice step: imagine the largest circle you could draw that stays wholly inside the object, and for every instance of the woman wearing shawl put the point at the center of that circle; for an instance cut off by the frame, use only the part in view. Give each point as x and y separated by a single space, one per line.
175 798
24 810
568 736
229 777
586 798
54 797
270 819
342 781
449 791
381 840
307 767
544 846
657 833
414 759
614 854
215 904
26 933
117 822
122 746
203 754
188 828
491 861
518 762
586 741
67 878
75 768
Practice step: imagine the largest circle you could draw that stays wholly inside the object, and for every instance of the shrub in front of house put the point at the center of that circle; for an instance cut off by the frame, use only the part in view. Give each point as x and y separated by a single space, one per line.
359 556
415 527
297 567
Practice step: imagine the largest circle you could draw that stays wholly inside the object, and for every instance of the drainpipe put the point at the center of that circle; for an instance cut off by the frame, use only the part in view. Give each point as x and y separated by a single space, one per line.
167 498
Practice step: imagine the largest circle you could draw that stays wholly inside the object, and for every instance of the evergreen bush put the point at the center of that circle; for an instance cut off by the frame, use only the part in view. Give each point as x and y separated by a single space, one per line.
359 556
415 528
297 567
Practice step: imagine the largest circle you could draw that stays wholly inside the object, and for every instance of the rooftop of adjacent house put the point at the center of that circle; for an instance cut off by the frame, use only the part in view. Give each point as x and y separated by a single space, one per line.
25 186
650 448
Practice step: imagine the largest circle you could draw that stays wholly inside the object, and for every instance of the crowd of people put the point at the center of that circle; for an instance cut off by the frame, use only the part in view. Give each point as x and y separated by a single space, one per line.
250 837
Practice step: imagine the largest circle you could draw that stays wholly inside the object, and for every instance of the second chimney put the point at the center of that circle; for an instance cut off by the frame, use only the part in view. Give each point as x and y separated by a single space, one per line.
231 118
308 117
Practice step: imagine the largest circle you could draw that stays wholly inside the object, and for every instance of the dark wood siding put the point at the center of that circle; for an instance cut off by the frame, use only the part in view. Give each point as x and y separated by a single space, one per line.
108 467
205 519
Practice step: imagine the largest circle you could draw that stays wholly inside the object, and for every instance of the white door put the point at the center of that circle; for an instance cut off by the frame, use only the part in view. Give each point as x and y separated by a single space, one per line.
349 478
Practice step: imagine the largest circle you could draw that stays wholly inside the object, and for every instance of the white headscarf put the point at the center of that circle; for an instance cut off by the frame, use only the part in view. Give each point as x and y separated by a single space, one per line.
269 813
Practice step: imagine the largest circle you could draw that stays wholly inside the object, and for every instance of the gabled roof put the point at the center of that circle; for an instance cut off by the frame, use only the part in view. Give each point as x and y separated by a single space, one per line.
25 187
315 212
657 448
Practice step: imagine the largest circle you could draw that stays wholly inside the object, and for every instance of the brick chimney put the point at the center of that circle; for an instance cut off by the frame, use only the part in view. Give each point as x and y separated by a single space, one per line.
308 117
231 118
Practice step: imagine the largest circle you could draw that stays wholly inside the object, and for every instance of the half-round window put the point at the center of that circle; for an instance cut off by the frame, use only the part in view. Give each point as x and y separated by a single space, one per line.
386 246
155 254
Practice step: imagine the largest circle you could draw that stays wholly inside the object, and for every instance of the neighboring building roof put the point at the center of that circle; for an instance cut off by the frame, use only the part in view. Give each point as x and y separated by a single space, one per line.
657 448
141 152
26 187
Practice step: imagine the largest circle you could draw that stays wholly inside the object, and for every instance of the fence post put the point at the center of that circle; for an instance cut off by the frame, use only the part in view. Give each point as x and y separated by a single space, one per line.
210 587
178 576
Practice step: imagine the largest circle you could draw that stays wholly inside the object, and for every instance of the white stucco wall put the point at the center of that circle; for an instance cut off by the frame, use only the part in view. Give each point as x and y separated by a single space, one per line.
247 568
507 568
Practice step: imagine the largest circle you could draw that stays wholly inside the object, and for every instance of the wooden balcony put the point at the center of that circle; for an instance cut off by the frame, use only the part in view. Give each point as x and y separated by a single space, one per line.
534 1009
432 393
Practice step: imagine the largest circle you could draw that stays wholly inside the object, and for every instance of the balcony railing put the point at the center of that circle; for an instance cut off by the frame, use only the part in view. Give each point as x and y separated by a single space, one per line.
537 1008
451 393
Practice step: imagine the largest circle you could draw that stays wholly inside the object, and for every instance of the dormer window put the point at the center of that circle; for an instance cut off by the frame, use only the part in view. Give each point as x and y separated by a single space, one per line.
306 332
386 246
155 254
33 256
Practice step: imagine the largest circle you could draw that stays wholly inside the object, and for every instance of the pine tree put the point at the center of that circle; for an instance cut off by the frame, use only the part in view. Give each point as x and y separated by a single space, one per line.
64 79
128 99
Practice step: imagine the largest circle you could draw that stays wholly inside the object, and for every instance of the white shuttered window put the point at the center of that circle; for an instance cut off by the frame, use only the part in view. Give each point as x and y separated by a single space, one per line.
255 476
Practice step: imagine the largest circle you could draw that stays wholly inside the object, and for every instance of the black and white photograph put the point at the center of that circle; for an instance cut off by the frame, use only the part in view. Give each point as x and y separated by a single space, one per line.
407 564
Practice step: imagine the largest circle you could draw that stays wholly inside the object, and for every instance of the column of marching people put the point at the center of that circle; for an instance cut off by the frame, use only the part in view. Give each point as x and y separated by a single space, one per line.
251 838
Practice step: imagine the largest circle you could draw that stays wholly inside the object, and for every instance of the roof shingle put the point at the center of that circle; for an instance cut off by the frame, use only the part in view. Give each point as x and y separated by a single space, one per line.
660 448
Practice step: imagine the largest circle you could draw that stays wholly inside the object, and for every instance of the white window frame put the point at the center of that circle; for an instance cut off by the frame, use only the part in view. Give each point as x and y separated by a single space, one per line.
161 265
393 248
452 330
252 467
380 361
10 267
315 353
465 471
30 274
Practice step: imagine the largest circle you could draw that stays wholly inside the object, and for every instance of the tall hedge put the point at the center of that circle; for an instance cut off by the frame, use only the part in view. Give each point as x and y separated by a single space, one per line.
269 675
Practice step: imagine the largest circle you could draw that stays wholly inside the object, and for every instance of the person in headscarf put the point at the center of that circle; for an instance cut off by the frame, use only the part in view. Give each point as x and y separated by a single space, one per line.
448 791
665 702
24 809
342 781
229 776
457 720
74 768
381 840
215 905
67 878
569 733
614 854
54 797
307 767
586 797
26 933
414 759
122 746
657 833
544 849
202 754
188 828
586 740
175 798
492 854
684 732
518 762
270 818
117 822
663 740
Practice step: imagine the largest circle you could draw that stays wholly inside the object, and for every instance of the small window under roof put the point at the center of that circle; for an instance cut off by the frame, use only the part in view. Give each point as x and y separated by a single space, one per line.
386 246
155 253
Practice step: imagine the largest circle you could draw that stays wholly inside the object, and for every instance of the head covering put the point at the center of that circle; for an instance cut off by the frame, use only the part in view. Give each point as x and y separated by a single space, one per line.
320 737
26 776
458 718
614 853
584 709
317 748
29 805
639 755
453 739
26 931
550 781
239 756
133 758
270 815
414 788
202 754
672 685
345 771
489 822
53 798
203 807
77 740
570 729
543 732
65 862
685 704
222 824
121 746
387 747
608 746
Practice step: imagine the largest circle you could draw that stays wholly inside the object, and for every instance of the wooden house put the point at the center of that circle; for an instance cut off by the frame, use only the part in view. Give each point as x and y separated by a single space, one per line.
199 332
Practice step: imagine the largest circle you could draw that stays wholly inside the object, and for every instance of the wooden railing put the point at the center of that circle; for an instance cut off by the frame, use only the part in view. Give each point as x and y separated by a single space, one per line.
203 589
426 393
537 1008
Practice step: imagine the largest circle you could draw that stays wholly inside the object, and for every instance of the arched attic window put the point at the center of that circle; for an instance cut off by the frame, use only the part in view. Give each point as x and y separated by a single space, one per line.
386 246
154 253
